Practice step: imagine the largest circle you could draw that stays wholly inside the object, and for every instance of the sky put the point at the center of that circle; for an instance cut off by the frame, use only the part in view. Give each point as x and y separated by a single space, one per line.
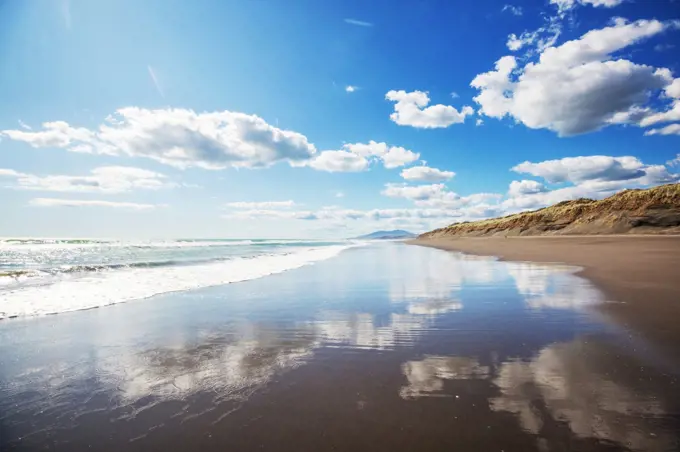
305 118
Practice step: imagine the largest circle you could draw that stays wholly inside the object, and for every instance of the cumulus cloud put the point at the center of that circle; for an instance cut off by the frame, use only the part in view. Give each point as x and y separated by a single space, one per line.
183 139
339 161
398 156
578 177
57 202
591 177
414 192
105 179
438 196
357 156
261 204
673 129
577 87
672 91
351 88
525 187
411 109
178 137
426 174
581 169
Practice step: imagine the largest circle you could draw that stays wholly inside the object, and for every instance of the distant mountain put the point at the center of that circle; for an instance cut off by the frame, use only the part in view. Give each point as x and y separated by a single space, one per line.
651 211
386 235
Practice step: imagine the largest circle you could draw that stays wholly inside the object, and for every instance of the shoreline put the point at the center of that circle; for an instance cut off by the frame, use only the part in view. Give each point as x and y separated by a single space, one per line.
639 273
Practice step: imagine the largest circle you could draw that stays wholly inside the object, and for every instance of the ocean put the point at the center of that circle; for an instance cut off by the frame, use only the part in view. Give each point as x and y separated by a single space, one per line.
50 276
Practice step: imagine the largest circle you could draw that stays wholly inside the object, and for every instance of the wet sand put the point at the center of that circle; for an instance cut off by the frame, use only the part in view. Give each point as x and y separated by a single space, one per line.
384 348
641 274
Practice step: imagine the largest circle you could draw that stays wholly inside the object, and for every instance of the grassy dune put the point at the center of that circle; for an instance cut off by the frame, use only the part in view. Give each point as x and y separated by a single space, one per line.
651 211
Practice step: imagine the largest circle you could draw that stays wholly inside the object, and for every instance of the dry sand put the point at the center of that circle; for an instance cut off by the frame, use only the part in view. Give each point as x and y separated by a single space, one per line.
642 273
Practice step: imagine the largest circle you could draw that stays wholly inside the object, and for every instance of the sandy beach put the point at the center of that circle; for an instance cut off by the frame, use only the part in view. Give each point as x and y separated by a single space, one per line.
641 274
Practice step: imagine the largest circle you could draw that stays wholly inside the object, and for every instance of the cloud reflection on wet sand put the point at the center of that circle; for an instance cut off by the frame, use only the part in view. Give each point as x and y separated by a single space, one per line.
586 385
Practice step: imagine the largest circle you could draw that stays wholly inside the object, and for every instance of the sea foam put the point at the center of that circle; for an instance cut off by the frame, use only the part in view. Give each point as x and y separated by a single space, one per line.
72 292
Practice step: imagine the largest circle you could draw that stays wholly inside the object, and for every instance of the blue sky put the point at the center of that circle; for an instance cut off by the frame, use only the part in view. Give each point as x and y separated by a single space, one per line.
287 119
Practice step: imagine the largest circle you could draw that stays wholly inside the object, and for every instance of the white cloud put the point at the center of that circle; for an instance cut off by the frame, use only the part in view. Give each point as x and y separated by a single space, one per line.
339 194
339 161
671 91
370 149
398 156
455 95
592 177
357 157
10 173
565 5
539 39
494 86
334 214
105 179
359 23
257 214
426 174
479 122
24 125
155 81
673 129
525 187
588 177
437 196
351 88
516 10
411 110
58 134
178 137
414 192
183 138
674 162
582 169
663 47
516 42
262 204
55 202
577 87
434 205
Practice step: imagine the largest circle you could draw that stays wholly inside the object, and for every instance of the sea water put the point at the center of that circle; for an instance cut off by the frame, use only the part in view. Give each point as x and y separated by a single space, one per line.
49 276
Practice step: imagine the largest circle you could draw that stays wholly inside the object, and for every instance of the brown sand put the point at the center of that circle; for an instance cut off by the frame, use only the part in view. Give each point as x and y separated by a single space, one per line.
642 273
